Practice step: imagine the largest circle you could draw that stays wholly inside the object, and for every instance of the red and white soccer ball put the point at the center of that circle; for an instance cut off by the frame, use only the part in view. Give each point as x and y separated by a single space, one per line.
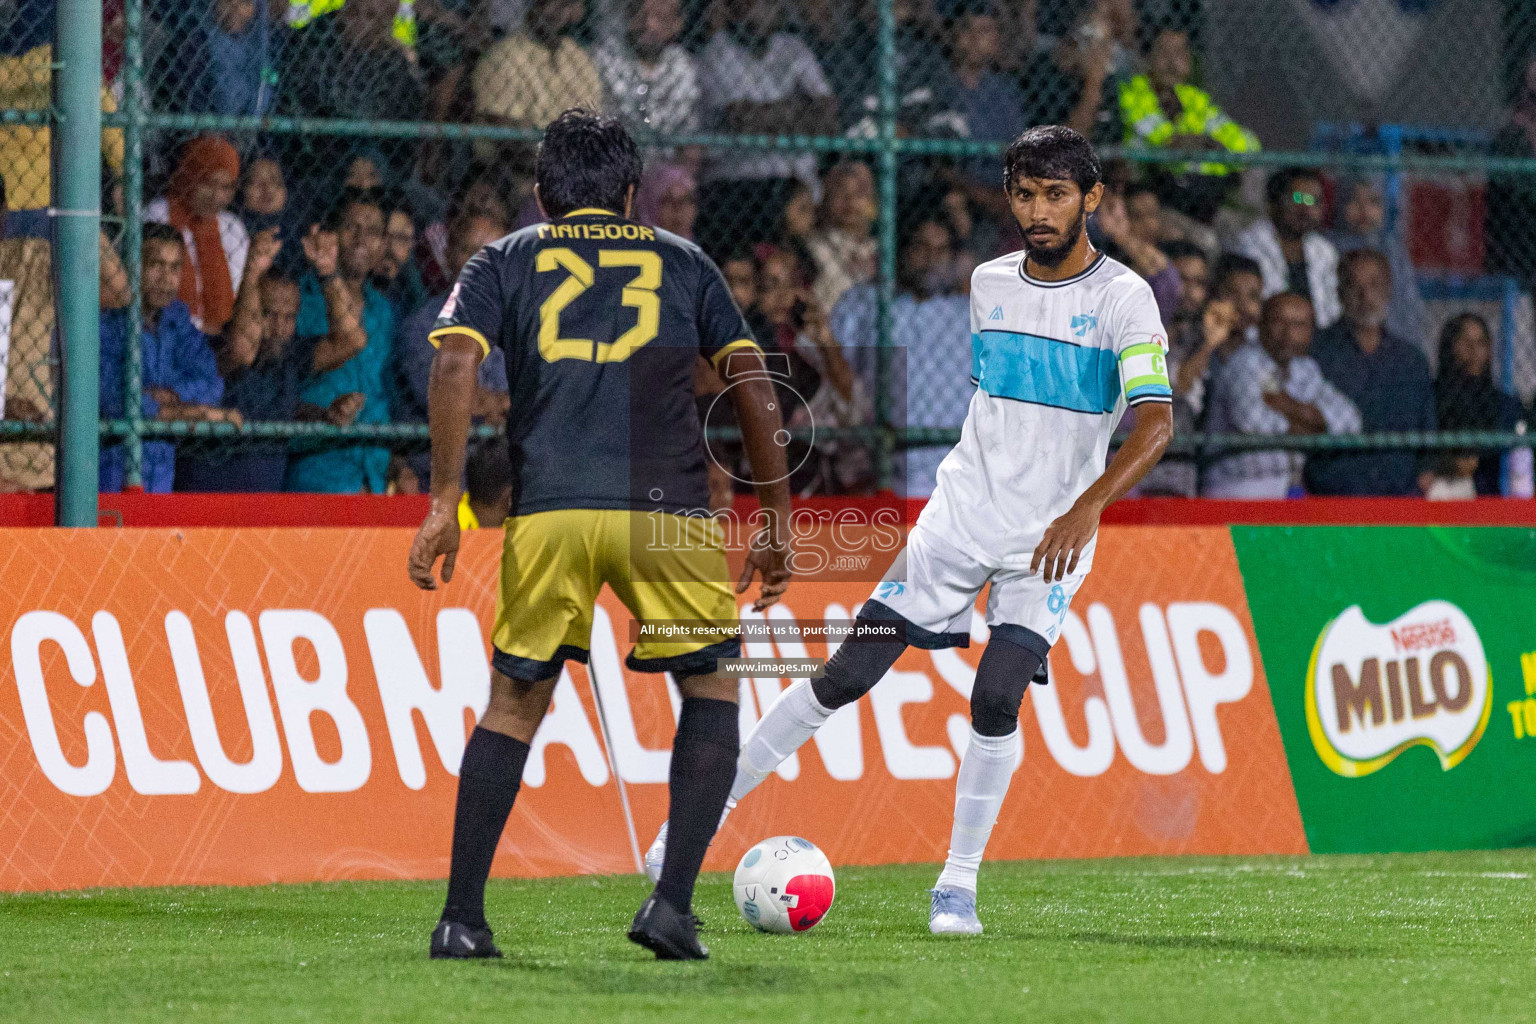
784 885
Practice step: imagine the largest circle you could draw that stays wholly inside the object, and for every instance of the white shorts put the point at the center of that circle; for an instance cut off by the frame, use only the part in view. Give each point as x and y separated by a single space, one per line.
933 585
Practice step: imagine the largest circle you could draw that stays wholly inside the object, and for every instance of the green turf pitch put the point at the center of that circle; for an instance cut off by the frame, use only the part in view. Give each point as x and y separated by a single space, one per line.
1433 938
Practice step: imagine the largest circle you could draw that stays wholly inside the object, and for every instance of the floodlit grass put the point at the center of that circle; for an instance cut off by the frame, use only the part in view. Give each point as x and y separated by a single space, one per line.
1435 938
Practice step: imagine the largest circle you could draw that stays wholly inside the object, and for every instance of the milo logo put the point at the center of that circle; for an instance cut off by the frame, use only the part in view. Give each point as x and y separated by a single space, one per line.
1375 690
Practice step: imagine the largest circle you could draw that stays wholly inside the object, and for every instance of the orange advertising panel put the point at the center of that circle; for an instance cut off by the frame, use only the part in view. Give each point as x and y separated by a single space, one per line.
242 706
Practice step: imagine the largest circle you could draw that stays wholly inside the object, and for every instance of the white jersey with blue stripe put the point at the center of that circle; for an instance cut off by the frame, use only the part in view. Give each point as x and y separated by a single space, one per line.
1055 363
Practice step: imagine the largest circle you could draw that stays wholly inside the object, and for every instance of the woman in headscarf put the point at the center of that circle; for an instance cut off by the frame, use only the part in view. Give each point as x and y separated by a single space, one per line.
368 167
264 205
668 199
1466 398
196 203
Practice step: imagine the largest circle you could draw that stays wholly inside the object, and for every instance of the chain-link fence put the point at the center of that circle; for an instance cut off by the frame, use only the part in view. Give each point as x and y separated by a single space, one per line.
284 176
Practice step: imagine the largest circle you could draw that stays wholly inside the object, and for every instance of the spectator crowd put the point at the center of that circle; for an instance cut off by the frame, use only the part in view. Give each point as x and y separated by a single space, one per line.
296 278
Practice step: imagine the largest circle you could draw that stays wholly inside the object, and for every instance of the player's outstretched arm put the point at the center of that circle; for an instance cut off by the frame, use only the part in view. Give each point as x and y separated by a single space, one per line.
757 412
1066 538
449 398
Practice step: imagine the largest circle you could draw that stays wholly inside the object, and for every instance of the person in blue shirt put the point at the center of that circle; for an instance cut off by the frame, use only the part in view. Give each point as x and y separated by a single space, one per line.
989 103
179 372
223 58
351 319
1387 378
930 368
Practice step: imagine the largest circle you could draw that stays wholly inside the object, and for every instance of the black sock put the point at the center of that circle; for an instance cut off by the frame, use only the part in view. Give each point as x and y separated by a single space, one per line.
703 768
489 777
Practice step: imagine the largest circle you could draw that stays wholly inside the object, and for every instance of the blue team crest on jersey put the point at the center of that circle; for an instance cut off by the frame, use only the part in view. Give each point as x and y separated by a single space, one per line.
891 588
1082 323
996 314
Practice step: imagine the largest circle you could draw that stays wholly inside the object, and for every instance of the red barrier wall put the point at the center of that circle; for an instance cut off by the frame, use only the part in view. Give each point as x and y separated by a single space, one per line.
250 510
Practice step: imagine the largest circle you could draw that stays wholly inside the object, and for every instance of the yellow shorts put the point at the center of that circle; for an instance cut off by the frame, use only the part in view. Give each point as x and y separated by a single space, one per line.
665 568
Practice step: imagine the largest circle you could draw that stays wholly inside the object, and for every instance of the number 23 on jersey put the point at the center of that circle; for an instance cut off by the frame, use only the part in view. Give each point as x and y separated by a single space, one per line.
639 294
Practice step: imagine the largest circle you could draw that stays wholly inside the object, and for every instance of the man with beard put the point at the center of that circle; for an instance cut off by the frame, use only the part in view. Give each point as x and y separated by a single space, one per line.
1063 340
1387 377
341 312
1289 246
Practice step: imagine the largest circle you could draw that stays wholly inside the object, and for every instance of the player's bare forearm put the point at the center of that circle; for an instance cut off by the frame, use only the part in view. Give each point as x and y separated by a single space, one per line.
757 412
450 404
450 400
1141 451
1065 539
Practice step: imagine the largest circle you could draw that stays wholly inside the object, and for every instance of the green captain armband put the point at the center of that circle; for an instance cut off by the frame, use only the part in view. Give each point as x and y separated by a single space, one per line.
1144 373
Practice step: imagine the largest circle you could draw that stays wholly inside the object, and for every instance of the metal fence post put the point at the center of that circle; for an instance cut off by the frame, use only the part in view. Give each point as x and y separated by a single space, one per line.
76 155
885 293
133 233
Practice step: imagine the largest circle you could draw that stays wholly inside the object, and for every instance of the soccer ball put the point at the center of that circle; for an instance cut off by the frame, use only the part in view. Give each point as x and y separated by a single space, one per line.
784 884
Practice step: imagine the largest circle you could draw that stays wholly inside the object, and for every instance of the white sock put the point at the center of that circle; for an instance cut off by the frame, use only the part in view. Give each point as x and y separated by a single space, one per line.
781 731
985 772
787 725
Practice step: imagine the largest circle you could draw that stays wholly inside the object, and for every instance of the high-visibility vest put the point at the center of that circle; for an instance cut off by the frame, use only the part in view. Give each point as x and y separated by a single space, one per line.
1147 126
303 12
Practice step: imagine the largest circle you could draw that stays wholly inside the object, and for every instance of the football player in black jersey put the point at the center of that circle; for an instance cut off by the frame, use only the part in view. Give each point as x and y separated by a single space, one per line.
602 322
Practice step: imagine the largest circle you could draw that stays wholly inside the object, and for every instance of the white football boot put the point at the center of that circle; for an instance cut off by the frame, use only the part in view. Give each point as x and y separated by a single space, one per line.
953 912
656 854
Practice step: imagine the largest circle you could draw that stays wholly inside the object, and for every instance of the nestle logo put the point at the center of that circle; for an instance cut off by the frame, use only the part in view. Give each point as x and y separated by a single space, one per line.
1378 689
1423 635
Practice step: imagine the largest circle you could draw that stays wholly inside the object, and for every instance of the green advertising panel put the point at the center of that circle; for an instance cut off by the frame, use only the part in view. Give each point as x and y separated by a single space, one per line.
1402 664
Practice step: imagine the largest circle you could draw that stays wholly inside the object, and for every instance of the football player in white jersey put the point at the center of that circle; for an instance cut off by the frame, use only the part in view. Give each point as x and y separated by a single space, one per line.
1063 340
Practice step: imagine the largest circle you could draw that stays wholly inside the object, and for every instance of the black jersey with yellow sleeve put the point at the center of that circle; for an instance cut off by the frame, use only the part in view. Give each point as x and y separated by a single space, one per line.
602 321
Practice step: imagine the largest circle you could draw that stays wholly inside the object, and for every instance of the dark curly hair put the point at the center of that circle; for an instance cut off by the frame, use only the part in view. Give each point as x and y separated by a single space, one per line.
1055 152
585 160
